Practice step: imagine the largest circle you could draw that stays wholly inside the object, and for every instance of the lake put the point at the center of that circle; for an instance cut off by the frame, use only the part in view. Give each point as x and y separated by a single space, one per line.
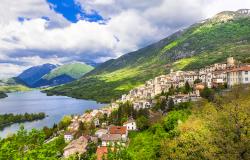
35 101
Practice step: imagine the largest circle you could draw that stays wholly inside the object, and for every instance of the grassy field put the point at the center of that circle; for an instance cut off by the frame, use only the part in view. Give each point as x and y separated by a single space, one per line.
13 88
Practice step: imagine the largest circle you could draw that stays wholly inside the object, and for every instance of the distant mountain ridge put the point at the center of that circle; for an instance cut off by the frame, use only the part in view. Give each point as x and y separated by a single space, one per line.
210 41
34 74
75 70
58 80
51 75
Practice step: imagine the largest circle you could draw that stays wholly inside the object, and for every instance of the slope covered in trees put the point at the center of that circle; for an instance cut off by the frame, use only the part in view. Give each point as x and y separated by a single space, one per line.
205 130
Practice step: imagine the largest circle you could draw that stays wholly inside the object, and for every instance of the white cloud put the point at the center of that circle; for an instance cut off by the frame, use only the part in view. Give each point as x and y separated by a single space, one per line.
9 70
212 7
131 25
10 11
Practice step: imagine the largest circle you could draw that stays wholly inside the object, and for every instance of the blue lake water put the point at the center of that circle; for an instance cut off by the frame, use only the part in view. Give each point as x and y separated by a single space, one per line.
35 101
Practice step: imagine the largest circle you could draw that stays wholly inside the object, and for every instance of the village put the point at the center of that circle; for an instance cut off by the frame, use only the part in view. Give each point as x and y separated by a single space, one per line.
106 135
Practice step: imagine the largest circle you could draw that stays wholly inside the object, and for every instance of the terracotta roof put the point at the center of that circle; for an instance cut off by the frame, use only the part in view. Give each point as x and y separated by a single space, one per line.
101 151
242 68
199 86
118 130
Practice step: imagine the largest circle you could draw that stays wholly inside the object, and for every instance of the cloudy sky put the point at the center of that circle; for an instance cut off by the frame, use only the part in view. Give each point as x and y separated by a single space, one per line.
34 32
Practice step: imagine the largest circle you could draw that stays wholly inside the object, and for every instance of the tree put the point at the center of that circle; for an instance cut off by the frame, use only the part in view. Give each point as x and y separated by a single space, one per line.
66 120
208 94
160 105
231 124
170 104
142 123
187 88
213 131
197 81
171 90
83 128
118 152
91 150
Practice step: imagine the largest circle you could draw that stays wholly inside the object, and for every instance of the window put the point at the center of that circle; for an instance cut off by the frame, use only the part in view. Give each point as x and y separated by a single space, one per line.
246 79
246 72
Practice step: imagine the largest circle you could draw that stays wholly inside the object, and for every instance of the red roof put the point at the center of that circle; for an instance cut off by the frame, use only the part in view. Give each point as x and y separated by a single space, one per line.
118 130
100 152
243 68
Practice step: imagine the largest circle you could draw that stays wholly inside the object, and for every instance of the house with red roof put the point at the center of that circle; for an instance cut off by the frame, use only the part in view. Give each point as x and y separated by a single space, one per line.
121 130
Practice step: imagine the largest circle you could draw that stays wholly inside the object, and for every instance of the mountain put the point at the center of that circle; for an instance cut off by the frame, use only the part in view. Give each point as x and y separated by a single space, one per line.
207 42
34 74
61 79
74 70
64 74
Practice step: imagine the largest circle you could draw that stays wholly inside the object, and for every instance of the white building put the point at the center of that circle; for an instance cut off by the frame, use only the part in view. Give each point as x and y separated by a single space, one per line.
111 139
68 137
121 130
131 125
101 132
239 75
142 104
180 98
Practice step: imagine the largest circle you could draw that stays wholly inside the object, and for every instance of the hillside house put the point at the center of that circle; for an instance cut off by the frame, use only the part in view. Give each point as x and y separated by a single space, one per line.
142 104
111 139
239 75
121 130
130 124
73 127
101 132
180 98
68 136
76 146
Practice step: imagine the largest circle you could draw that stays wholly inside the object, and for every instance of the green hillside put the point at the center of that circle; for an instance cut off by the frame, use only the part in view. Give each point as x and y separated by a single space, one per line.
226 34
74 70
13 88
203 130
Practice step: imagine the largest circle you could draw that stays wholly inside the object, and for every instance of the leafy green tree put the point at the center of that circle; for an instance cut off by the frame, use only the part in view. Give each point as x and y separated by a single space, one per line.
197 81
187 87
213 131
118 152
170 104
65 122
171 90
174 118
91 150
30 145
208 94
142 123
